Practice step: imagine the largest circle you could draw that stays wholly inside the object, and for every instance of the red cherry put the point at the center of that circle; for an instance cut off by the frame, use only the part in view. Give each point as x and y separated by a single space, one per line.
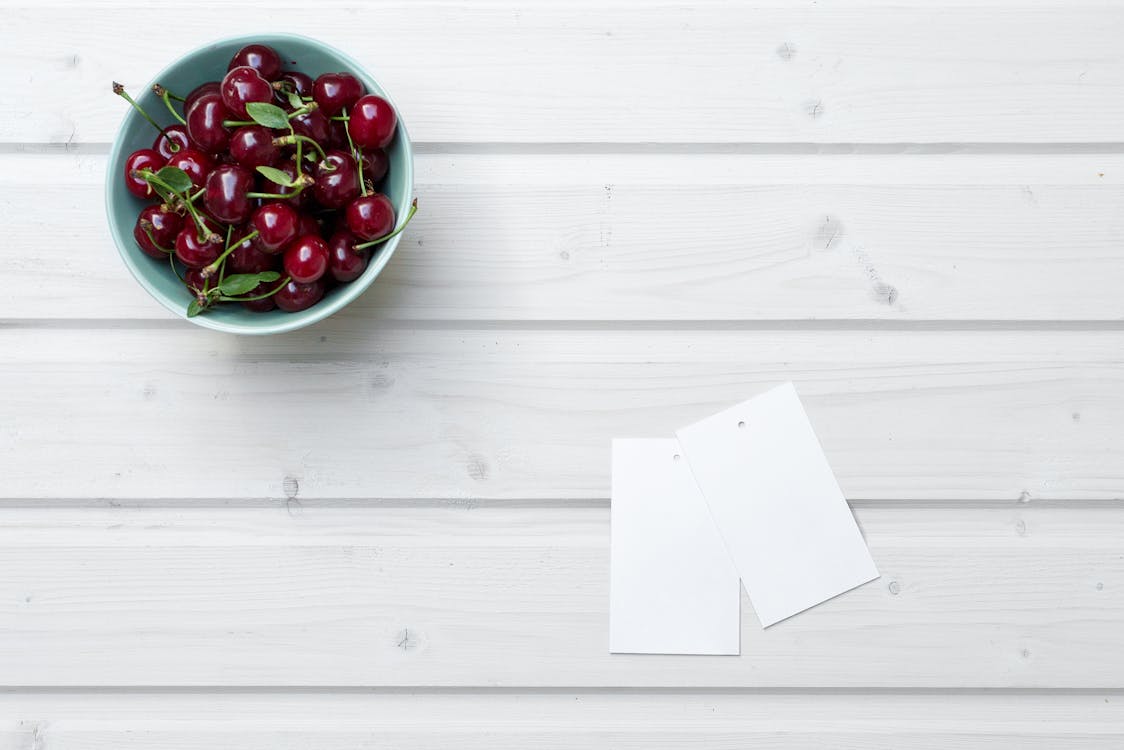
210 87
241 86
195 164
297 82
261 58
277 225
248 256
375 165
252 147
172 141
335 91
345 263
266 185
337 180
306 259
370 216
312 124
265 304
294 296
194 252
337 135
372 122
193 277
156 230
225 196
144 158
205 123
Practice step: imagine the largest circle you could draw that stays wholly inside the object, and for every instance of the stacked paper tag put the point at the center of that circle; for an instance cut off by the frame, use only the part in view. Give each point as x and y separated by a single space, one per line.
745 494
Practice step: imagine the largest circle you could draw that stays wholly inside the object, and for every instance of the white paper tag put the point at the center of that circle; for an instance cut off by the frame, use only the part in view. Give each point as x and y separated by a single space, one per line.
673 588
776 503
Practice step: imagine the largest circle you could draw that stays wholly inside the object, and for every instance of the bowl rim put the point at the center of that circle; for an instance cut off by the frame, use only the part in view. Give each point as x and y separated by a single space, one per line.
290 321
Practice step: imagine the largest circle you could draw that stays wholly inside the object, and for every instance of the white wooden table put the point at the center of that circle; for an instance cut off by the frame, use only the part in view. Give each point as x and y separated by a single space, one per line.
391 530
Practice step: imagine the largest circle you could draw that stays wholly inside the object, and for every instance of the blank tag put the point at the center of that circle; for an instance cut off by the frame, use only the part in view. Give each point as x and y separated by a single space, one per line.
673 588
776 504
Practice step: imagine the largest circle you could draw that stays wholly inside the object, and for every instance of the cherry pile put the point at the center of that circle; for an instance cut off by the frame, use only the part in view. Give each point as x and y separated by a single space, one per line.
265 191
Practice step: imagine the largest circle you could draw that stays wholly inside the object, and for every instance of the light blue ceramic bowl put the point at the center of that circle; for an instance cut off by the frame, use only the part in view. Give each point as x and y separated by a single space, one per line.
208 64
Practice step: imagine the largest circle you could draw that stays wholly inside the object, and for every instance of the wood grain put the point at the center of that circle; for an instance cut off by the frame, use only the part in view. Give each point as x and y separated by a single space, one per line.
592 720
347 409
710 72
668 238
512 597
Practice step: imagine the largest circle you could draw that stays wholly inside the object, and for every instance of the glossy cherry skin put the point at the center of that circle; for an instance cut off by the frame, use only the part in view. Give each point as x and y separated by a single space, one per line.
225 196
372 122
162 225
375 165
344 262
261 58
252 147
244 85
295 296
370 216
144 158
195 164
265 185
306 259
297 82
173 140
337 180
265 304
210 87
248 257
312 124
205 123
196 253
277 225
335 91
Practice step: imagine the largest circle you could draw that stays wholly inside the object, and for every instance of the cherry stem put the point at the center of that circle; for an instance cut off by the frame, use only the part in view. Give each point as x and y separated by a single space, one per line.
155 244
385 237
289 140
195 196
168 103
280 286
311 105
213 268
356 154
237 123
278 196
121 92
172 261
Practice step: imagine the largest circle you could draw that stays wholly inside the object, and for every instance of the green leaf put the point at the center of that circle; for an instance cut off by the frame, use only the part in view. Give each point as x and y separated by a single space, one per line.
269 115
295 100
276 175
165 194
194 308
242 283
175 178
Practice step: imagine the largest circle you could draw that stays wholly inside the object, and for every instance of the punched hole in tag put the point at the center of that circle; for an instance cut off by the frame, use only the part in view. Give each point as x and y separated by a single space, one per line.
741 425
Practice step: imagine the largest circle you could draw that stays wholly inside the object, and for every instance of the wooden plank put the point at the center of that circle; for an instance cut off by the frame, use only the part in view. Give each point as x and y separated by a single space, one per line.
629 72
347 409
596 721
674 237
1017 597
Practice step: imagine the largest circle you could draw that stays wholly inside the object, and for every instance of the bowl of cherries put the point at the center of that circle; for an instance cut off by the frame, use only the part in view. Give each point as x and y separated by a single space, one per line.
259 184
